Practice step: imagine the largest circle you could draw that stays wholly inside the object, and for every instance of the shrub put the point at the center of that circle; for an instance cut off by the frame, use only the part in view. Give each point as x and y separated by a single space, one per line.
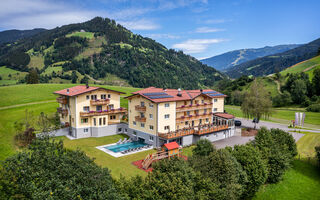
48 171
203 148
314 108
277 160
255 167
285 141
317 148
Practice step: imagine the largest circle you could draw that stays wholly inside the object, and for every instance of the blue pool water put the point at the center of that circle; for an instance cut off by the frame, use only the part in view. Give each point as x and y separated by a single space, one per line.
122 147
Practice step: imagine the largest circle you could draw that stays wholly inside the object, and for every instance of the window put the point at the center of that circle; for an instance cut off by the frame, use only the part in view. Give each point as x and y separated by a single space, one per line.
100 121
200 121
202 101
166 105
150 116
186 123
125 130
104 121
151 138
142 125
215 109
109 96
207 119
111 106
215 100
188 113
134 123
112 117
84 120
150 105
85 130
88 97
94 121
86 108
99 108
93 97
134 133
205 111
151 127
166 127
142 104
119 130
166 116
103 96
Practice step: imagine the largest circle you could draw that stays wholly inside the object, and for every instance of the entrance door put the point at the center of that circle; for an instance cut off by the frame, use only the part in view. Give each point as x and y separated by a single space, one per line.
192 123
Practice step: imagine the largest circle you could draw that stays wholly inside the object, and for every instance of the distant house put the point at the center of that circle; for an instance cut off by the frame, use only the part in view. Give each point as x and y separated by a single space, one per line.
91 111
158 116
82 30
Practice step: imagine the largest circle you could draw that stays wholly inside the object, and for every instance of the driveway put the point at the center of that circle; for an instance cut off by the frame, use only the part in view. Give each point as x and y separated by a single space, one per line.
231 141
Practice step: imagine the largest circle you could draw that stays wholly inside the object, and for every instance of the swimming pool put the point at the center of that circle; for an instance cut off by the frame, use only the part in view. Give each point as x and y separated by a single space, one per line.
122 147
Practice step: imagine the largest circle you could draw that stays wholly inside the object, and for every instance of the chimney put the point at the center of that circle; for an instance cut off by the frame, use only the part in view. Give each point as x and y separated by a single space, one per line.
87 85
164 89
179 93
68 91
201 90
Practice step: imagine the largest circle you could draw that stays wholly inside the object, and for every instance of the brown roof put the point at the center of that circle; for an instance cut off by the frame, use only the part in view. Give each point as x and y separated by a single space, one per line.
173 94
80 89
224 115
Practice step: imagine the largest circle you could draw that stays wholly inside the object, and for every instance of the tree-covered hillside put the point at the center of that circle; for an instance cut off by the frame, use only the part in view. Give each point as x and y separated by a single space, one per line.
96 49
277 62
13 35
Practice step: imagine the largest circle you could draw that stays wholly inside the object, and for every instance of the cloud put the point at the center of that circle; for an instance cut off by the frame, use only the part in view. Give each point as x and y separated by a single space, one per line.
142 24
208 30
162 35
216 21
196 45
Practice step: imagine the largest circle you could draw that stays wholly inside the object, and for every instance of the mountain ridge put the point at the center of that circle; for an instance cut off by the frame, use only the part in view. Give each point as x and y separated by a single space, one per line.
8 36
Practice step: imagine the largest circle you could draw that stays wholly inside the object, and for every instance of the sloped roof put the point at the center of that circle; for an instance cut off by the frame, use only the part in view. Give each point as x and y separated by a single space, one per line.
171 145
173 93
80 89
224 115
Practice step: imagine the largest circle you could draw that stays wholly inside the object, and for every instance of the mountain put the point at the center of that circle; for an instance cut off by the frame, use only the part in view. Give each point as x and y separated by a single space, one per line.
226 60
276 62
101 48
13 35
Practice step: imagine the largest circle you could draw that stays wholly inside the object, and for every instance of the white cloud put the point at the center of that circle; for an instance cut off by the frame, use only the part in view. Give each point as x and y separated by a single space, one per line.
142 24
196 45
208 30
162 35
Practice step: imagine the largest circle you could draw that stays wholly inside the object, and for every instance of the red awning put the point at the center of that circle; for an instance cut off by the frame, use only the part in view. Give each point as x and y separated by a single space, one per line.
172 145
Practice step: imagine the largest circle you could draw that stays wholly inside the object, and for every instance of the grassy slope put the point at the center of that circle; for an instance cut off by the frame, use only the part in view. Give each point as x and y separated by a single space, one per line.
88 35
307 66
15 76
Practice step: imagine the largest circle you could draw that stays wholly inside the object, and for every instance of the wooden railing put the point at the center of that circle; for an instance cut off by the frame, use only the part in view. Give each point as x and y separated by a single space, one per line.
62 111
140 108
193 107
62 100
99 102
189 117
193 131
140 119
103 112
150 158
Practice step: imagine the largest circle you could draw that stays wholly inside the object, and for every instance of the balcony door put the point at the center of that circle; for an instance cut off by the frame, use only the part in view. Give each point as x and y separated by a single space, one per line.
99 108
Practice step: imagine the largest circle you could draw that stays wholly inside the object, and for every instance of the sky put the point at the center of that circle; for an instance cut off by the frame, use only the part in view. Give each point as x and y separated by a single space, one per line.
201 28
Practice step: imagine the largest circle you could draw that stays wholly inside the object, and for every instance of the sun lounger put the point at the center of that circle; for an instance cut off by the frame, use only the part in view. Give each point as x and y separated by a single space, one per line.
119 142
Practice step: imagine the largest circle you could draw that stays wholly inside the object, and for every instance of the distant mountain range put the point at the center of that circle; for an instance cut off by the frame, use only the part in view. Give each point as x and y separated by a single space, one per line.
13 35
276 62
226 60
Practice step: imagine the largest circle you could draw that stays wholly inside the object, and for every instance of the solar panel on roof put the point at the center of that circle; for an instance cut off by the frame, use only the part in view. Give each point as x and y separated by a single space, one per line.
214 95
154 93
160 97
210 92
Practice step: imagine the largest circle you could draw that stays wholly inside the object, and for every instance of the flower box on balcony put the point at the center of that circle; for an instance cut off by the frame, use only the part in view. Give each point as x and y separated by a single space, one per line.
198 104
182 106
190 105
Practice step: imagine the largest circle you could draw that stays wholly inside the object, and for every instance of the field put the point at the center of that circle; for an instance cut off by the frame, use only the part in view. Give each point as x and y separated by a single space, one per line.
10 76
307 66
88 35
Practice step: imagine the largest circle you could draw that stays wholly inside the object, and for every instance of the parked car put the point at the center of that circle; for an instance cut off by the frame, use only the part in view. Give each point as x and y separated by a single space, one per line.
237 122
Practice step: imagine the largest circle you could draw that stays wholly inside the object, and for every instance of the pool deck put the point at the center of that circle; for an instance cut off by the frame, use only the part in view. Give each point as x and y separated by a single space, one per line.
119 154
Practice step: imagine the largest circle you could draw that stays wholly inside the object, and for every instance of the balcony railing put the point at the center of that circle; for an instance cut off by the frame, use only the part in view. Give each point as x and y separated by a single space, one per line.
193 107
62 111
62 100
140 108
196 116
193 131
140 119
103 112
99 102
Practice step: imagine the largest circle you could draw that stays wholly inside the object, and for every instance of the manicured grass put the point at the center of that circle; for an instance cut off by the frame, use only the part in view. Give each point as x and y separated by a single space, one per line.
280 113
300 182
7 119
307 144
20 94
88 35
117 166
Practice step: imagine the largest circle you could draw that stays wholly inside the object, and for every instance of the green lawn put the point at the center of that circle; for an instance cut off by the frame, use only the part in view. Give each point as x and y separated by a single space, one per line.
300 182
36 61
49 70
280 115
10 76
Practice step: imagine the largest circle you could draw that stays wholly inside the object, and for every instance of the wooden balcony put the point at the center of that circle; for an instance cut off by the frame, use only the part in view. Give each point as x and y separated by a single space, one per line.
192 117
140 108
193 107
62 111
99 102
103 112
140 119
62 100
193 131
